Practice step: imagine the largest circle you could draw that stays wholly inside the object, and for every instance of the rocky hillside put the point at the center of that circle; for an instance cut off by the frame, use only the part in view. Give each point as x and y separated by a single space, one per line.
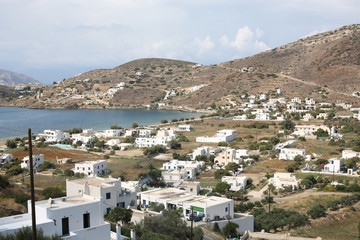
325 67
8 78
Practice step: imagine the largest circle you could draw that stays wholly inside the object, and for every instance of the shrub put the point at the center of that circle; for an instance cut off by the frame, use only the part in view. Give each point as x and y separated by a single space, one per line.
317 211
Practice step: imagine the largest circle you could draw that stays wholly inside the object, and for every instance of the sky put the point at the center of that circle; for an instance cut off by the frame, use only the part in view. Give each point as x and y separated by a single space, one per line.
51 40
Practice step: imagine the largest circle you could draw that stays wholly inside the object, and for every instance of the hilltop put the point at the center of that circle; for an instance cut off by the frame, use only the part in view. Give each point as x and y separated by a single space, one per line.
9 79
325 67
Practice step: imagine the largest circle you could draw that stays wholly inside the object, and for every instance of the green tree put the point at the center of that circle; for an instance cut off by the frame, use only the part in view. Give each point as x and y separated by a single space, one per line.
317 211
164 121
222 187
229 230
120 214
288 124
11 144
321 133
25 233
218 174
232 166
216 228
174 144
134 125
115 127
3 182
298 159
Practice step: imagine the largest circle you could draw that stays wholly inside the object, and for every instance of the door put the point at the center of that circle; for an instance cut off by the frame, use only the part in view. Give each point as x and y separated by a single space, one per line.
65 226
86 220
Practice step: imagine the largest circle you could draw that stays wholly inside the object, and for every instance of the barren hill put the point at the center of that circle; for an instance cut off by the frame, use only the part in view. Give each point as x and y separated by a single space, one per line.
325 67
8 78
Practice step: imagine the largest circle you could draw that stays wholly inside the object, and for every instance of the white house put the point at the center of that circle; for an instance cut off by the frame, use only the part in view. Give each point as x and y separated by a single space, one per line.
54 135
281 180
240 117
38 159
200 151
278 91
72 217
85 137
309 101
185 128
307 117
334 165
150 142
296 100
91 168
110 190
262 116
221 136
145 133
112 142
178 165
322 116
175 176
308 131
108 133
346 154
263 97
236 183
167 134
5 158
291 153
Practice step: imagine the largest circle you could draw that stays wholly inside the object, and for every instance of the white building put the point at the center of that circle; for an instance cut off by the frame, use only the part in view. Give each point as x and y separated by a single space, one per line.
38 159
201 151
54 135
291 153
296 100
278 91
221 136
175 176
309 101
308 131
282 180
334 166
346 154
108 133
322 116
72 217
5 158
240 117
150 142
236 183
185 128
307 117
231 155
87 136
146 133
178 165
113 142
91 168
263 97
110 190
168 135
262 116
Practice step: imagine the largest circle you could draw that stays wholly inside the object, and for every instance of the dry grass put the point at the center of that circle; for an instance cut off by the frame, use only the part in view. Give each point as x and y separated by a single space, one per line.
269 166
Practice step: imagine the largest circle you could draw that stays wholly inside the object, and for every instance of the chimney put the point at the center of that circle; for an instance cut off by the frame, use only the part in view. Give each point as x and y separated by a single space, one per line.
118 232
132 234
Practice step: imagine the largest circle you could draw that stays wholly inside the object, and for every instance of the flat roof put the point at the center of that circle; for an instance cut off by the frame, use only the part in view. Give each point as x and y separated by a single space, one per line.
69 201
95 181
164 193
91 162
208 201
19 221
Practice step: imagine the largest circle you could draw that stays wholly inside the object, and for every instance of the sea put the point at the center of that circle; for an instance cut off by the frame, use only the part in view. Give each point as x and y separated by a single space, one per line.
14 122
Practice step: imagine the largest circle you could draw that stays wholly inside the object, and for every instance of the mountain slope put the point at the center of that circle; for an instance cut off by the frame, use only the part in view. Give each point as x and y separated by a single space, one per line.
8 78
325 67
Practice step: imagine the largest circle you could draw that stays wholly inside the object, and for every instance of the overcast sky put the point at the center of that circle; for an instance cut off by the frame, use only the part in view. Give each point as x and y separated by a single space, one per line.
50 40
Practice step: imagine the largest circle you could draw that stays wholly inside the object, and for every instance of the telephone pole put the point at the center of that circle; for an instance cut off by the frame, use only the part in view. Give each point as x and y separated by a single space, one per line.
192 219
32 186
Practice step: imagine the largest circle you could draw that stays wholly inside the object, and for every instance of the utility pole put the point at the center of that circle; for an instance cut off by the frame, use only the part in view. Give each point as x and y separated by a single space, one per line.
32 186
269 197
229 220
192 219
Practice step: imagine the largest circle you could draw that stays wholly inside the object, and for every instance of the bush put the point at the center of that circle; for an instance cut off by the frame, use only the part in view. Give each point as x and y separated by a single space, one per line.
222 187
174 144
216 228
120 214
11 144
154 150
47 165
3 182
229 229
317 211
53 192
218 174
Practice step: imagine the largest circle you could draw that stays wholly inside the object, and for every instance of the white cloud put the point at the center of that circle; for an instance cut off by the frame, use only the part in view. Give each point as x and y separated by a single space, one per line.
245 40
203 46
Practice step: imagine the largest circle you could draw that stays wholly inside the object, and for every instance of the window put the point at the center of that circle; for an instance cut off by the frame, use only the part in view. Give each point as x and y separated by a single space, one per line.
65 226
226 209
86 220
121 204
108 195
108 210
